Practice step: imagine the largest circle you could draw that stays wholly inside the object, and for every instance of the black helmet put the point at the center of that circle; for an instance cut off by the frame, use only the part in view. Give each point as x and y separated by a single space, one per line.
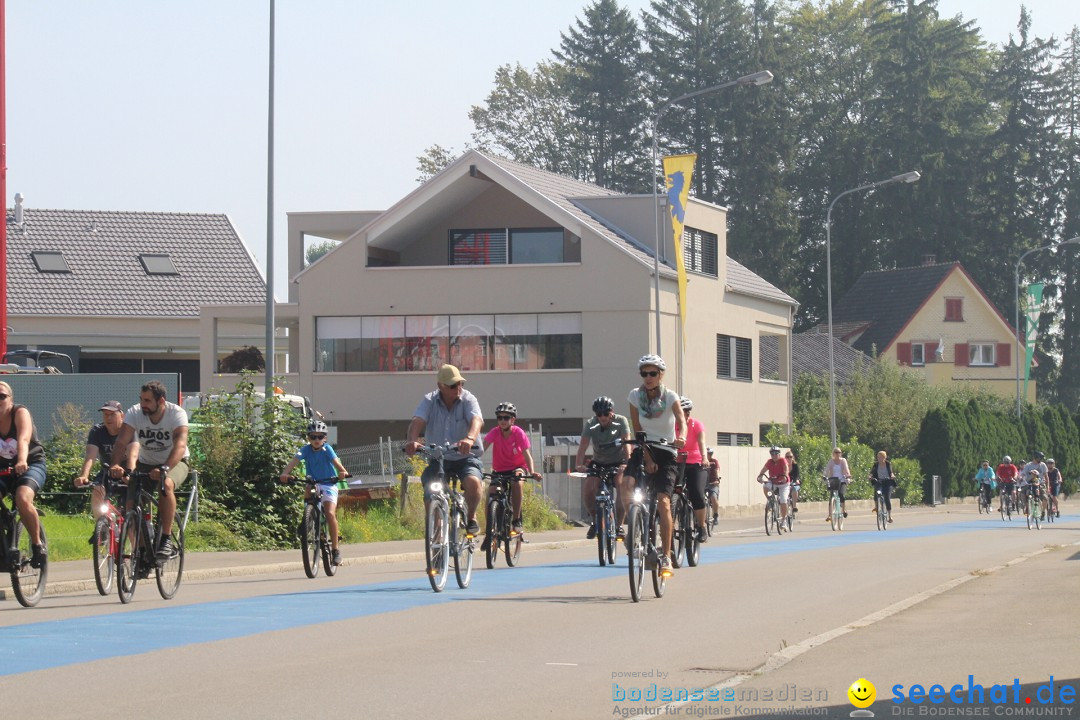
1039 455
507 408
603 404
316 426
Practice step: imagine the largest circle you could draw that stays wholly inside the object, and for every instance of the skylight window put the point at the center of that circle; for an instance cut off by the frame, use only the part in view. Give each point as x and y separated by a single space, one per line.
50 261
158 264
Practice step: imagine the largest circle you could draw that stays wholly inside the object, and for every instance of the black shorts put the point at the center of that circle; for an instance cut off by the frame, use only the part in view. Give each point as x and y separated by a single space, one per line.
663 480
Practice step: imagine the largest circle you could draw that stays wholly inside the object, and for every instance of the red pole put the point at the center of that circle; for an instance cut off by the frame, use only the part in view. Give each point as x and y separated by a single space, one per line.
3 182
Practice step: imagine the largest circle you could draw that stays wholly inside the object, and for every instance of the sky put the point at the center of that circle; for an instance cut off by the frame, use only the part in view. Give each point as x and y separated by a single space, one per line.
161 105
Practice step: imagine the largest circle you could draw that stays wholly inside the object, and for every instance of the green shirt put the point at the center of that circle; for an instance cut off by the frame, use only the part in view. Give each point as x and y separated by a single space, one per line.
618 428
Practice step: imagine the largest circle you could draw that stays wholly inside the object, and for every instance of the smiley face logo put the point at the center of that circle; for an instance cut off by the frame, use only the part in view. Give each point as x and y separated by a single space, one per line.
862 693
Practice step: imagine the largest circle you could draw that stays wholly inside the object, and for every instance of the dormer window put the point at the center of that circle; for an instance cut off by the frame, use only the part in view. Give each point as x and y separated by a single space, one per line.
158 264
954 309
50 261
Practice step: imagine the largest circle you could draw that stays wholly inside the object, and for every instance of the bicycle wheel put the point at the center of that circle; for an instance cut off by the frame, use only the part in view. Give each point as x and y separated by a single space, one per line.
326 546
839 514
131 544
309 540
635 550
28 582
693 547
491 532
1035 510
105 530
777 525
170 570
710 517
436 552
768 516
612 539
512 547
678 539
462 548
659 582
880 514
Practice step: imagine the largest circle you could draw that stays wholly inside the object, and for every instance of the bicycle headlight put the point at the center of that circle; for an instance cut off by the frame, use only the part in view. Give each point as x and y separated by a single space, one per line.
435 487
104 509
639 496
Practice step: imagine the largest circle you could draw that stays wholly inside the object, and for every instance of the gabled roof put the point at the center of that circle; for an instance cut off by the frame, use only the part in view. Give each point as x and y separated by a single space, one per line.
810 354
107 278
886 300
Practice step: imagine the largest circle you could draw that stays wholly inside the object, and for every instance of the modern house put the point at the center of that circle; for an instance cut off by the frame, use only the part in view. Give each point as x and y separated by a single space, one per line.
933 318
121 291
539 287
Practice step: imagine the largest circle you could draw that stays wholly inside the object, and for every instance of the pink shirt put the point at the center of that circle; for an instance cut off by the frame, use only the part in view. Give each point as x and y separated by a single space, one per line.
507 453
694 429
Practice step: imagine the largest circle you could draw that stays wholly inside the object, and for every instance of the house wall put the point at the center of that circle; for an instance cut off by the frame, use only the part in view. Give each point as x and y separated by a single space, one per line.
981 323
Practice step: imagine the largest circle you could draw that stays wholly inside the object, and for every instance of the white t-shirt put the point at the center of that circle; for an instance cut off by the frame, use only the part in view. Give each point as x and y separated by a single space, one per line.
156 441
661 427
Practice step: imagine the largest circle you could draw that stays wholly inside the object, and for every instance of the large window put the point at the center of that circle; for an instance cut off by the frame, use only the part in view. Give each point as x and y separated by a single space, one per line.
502 246
700 251
981 354
733 357
394 343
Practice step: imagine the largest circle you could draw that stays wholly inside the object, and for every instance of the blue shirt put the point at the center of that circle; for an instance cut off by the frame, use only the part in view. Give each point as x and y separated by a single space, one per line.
319 463
450 424
985 474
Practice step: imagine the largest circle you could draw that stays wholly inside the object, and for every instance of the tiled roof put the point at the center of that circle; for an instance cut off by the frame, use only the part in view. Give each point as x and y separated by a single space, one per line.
102 250
886 300
564 191
810 354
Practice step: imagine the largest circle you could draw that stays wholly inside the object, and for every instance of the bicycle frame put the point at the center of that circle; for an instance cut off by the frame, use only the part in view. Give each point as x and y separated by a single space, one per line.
443 495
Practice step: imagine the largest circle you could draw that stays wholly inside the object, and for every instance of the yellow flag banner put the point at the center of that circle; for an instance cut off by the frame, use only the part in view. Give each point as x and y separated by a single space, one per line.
678 170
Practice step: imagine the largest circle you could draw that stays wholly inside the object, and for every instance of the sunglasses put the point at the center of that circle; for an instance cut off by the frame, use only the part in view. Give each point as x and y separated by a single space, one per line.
500 418
650 373
604 414
455 386
316 437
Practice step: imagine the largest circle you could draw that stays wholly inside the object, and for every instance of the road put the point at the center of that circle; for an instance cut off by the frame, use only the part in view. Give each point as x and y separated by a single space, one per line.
774 623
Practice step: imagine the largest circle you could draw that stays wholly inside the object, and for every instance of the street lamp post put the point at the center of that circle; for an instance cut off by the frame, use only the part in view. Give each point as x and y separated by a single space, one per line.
1023 338
759 78
908 177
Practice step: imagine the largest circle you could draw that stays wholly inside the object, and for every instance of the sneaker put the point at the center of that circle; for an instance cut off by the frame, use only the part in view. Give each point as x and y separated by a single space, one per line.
795 510
39 556
715 520
665 567
93 538
702 535
165 548
890 518
518 527
335 558
591 535
472 529
620 533
845 513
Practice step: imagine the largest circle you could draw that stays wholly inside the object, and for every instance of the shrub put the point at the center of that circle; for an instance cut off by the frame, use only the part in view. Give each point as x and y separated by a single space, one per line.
64 453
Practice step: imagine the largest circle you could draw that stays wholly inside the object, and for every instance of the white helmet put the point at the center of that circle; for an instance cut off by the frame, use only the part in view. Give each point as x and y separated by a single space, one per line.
1006 460
686 404
651 359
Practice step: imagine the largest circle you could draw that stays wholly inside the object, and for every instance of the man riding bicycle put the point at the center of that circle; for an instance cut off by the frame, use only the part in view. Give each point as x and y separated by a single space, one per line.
1006 474
600 432
510 456
451 414
712 486
655 412
1033 473
1053 482
776 470
99 446
161 431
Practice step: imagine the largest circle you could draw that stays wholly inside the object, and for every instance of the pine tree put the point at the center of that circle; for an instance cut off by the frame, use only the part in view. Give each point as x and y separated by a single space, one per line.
1068 188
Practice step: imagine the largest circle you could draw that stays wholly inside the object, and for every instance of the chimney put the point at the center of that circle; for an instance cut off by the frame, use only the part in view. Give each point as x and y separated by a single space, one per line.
929 259
18 208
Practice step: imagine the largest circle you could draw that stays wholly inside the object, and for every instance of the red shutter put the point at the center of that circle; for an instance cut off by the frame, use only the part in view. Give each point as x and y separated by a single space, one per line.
961 354
929 352
1004 354
903 353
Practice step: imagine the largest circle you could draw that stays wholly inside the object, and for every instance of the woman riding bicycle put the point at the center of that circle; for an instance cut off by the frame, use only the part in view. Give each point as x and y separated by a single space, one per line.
796 480
883 480
23 455
695 472
655 411
984 480
510 455
837 475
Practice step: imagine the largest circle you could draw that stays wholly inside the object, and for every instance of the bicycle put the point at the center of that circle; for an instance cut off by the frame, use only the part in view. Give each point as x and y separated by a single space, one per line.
107 529
643 524
444 525
604 518
315 538
499 516
882 514
141 536
772 510
1033 504
1006 503
683 532
792 505
984 503
836 508
711 492
27 581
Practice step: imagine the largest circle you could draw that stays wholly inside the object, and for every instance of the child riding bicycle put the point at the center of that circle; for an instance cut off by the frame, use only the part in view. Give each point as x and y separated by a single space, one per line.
324 467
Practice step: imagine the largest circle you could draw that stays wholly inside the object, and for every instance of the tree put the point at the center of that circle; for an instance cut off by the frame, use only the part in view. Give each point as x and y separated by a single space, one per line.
601 54
318 249
432 162
1068 188
241 359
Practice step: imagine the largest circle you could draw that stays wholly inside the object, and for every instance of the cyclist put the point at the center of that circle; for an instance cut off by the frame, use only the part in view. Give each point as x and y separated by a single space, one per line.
160 429
606 429
451 414
21 451
838 476
510 454
796 480
984 481
1006 474
324 467
655 411
713 488
99 446
695 467
1053 482
1035 467
883 478
1032 486
776 470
